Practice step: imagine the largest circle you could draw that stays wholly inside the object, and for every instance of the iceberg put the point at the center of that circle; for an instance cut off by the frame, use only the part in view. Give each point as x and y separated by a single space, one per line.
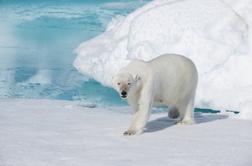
213 33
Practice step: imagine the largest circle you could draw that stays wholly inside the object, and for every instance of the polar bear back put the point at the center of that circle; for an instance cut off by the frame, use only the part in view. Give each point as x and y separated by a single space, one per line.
173 66
175 77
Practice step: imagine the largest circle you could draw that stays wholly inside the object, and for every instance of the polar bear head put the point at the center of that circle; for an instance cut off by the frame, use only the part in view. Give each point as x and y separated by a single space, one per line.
125 83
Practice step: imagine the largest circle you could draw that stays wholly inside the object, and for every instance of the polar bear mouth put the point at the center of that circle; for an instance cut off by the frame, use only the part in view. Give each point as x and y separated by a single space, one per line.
123 96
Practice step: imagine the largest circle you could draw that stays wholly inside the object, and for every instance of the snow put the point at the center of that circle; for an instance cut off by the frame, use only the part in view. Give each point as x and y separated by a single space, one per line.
213 33
50 132
246 111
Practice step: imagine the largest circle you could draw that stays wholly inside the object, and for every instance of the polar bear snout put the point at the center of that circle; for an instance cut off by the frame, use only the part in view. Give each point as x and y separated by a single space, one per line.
123 91
123 94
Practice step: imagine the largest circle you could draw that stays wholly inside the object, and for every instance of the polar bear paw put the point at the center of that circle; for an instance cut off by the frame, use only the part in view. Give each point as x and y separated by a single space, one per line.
129 132
186 122
173 113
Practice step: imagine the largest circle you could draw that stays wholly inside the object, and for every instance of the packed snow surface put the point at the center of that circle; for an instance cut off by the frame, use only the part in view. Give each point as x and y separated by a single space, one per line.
58 133
213 33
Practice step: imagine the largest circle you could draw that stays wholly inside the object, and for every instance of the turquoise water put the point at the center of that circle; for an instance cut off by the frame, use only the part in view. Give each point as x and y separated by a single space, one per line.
37 43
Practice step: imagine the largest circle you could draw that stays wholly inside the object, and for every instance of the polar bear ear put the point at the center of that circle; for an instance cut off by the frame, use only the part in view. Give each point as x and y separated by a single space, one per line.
137 78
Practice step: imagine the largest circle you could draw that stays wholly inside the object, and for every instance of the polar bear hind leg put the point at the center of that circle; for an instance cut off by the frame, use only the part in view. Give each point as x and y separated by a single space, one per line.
186 112
173 113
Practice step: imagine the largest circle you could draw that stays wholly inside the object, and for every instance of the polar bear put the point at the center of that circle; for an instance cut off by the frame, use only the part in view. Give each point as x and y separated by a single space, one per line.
168 79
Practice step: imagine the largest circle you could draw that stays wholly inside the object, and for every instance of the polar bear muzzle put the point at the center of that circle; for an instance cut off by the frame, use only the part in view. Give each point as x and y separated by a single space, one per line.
123 94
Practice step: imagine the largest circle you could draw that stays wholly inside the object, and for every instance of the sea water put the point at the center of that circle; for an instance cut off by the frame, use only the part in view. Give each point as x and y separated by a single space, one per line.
37 43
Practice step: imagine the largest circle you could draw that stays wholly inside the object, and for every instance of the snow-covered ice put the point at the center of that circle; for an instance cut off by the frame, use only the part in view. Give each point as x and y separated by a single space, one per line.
215 34
63 133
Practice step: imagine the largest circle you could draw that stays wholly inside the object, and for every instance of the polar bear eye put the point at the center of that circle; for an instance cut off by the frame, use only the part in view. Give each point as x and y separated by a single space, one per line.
129 83
118 83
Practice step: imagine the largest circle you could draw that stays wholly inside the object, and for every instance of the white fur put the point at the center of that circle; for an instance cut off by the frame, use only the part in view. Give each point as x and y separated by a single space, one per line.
168 79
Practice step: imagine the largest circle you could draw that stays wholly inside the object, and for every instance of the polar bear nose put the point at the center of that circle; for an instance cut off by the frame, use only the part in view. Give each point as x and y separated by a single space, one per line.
123 93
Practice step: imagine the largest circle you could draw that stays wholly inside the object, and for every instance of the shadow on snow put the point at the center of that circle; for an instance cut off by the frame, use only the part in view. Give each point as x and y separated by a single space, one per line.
165 122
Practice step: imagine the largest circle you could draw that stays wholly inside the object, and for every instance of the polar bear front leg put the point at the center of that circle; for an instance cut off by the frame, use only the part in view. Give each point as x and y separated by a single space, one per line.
133 102
141 116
